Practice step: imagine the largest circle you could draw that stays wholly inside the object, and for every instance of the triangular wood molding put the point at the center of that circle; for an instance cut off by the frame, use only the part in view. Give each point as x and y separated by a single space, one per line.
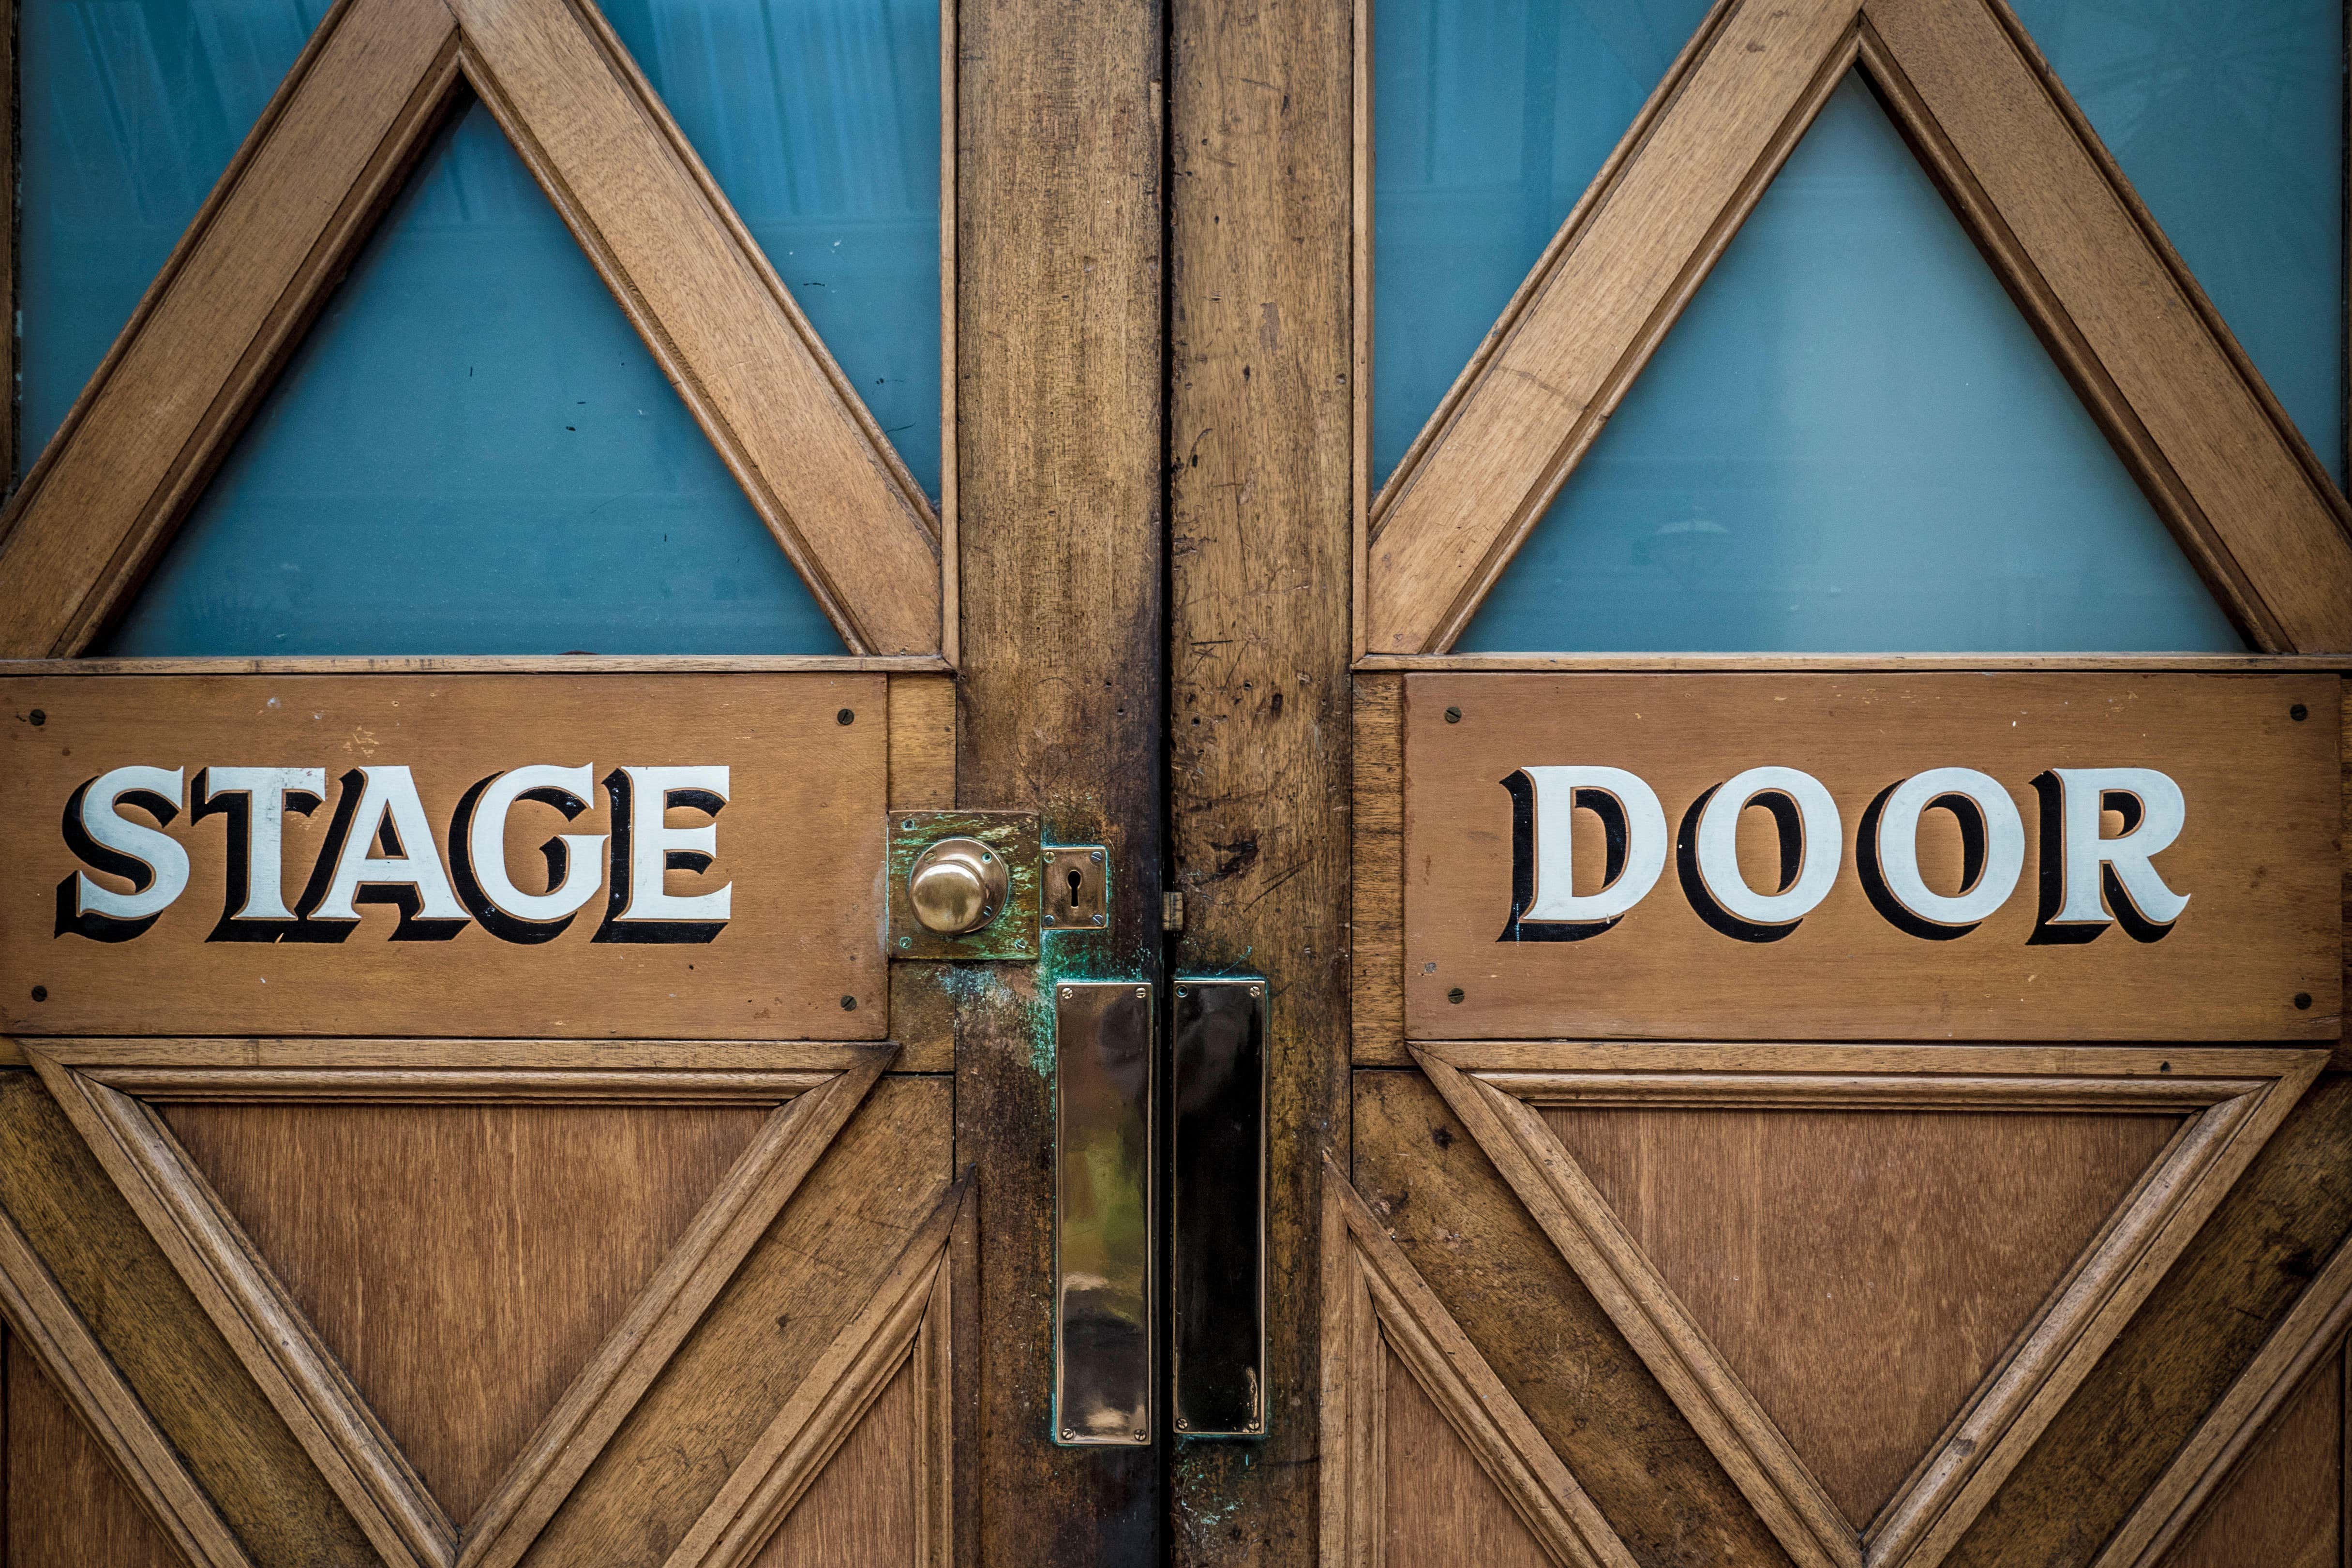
37 1313
1374 1303
906 1324
2182 404
2234 1101
2312 1330
105 1086
289 217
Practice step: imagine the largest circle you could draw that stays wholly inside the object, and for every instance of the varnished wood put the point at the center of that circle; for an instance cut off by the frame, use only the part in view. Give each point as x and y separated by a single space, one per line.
799 839
319 1065
1452 515
893 664
730 1225
1944 1494
289 216
803 1280
463 1261
2258 858
2184 407
861 1507
66 1508
256 265
2216 453
1441 1508
2310 1334
1061 385
1413 1325
714 315
1893 662
1473 1243
49 1345
1261 473
2283 1506
886 1336
167 1349
922 743
1376 931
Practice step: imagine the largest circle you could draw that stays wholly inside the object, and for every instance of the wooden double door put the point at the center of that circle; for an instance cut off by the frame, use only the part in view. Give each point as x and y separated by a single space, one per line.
739 1245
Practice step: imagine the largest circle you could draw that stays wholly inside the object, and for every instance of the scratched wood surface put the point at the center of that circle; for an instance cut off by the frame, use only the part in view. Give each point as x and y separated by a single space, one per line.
799 842
2258 858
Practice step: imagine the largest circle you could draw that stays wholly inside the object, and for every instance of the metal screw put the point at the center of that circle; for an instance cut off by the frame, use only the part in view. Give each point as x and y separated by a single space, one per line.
1143 990
2303 1001
1257 990
1069 1434
907 823
39 718
1182 992
1069 990
1455 995
1101 918
1096 857
849 1004
2297 713
905 941
847 716
985 857
1182 1425
40 993
1141 1435
1453 715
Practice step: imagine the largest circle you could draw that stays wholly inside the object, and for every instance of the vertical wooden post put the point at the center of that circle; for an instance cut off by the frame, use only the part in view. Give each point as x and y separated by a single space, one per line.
1260 421
1057 458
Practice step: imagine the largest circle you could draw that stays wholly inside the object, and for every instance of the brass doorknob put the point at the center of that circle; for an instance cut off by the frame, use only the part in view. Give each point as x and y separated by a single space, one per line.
957 885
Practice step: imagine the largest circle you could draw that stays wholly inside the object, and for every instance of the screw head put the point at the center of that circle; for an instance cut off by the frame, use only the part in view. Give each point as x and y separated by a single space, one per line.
39 717
849 1004
1101 918
1257 990
1182 992
1455 995
2298 713
1182 1425
1141 1435
2303 1001
1096 857
1453 715
1143 990
40 993
1069 990
847 716
1069 1434
905 941
908 823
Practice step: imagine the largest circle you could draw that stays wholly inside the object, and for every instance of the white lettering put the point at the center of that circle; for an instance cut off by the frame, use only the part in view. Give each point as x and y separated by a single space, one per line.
1819 839
2002 849
1637 816
388 796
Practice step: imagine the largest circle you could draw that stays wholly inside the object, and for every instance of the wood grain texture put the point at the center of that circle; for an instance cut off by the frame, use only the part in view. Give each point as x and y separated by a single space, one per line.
1855 664
2284 1504
899 1333
494 665
2211 1313
701 1068
1261 551
286 217
462 1262
798 840
1822 1253
1450 517
1440 1507
1377 914
44 1333
66 1508
922 743
1059 419
168 1350
1419 1338
861 1507
2215 453
806 1276
2258 858
1977 1452
1547 1339
2310 1334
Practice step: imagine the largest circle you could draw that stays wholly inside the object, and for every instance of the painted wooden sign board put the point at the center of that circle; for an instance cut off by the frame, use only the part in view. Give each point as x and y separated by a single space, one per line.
646 856
1963 856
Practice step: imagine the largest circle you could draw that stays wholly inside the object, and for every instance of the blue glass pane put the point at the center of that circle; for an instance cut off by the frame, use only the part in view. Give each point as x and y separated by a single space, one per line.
1490 119
473 453
132 110
1851 441
2228 118
820 119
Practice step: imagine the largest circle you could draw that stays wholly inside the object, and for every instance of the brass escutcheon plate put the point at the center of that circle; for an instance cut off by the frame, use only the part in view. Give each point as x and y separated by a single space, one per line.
1013 836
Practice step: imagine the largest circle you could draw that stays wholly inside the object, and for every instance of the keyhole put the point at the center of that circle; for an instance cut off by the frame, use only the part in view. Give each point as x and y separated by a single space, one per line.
1076 879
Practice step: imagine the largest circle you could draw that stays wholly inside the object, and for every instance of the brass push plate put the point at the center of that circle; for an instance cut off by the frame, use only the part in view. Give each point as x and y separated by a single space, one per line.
1076 894
1105 1214
1012 837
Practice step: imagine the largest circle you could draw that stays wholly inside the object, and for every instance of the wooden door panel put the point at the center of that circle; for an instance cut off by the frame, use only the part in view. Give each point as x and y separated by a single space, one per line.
1439 1506
68 1508
2286 1503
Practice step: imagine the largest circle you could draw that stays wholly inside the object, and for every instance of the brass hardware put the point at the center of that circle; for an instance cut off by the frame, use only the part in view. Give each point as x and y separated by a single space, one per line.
1216 1206
1103 1213
949 901
1076 894
957 885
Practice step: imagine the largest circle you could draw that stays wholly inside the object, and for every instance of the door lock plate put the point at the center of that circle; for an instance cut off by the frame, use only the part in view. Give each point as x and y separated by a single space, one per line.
1076 894
1011 838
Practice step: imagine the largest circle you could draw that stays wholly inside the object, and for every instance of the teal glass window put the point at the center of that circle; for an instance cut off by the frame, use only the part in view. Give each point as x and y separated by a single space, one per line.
1802 465
472 452
1850 442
